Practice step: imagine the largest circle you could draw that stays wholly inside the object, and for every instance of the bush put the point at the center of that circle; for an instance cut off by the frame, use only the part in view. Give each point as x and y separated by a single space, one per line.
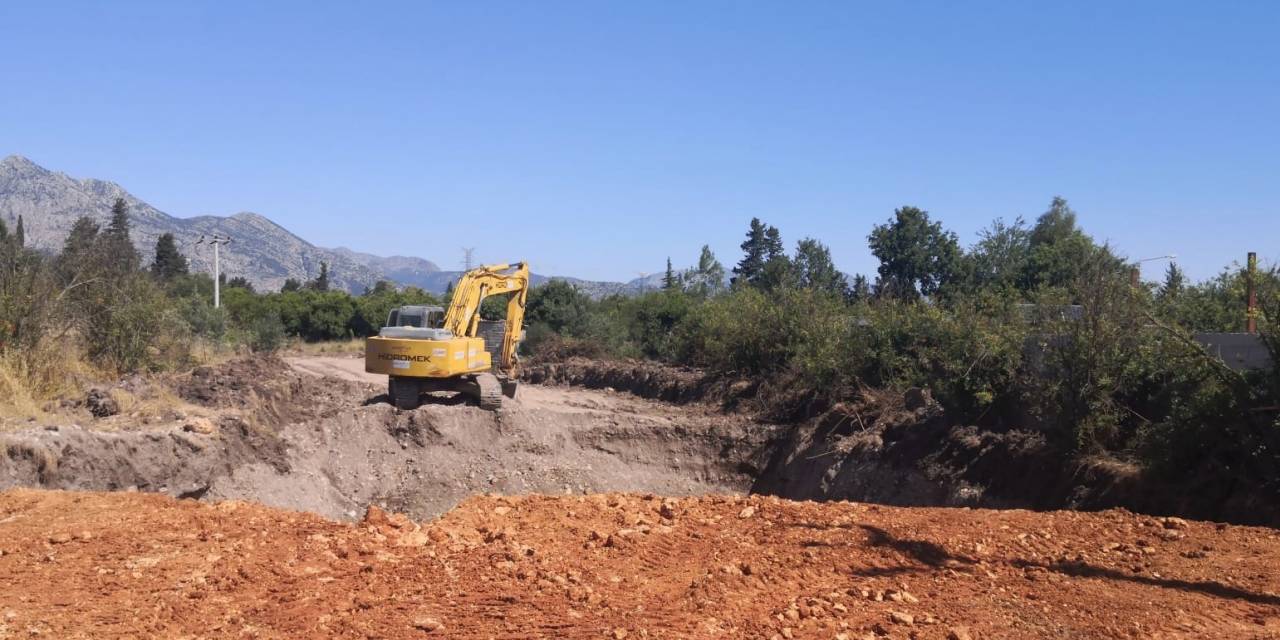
266 334
125 322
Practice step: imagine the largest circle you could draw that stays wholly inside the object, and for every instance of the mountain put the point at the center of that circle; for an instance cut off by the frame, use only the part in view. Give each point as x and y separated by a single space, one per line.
260 250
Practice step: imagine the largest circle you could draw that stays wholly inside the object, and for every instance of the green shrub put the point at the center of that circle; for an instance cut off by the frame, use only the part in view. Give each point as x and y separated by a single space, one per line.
266 334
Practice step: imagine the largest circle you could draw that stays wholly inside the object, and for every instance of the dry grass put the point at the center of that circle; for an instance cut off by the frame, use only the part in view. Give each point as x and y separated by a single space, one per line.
158 402
29 381
32 383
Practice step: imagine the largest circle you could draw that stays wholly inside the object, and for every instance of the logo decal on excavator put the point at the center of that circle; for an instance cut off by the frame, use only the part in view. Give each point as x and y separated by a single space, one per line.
401 357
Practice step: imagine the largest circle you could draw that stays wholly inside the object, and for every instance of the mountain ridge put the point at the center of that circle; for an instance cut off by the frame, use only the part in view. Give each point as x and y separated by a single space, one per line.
261 250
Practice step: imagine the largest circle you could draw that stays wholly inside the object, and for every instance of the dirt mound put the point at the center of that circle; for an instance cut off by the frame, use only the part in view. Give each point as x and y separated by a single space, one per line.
269 388
623 566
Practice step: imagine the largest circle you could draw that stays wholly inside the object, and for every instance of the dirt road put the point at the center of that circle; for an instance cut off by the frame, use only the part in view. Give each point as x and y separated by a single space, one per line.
79 565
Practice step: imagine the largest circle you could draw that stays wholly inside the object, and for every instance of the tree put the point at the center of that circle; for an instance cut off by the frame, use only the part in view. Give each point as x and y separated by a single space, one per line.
999 259
708 276
20 234
121 256
169 262
917 257
1174 282
860 290
815 270
773 244
670 281
1057 249
754 249
321 283
291 284
240 282
559 306
80 251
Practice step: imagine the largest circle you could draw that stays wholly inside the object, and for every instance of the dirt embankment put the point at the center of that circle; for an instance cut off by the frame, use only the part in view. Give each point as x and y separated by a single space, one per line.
903 449
316 433
624 566
321 437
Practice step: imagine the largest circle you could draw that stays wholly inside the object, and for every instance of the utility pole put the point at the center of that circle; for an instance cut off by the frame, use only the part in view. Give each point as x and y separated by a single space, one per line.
1251 279
468 258
216 240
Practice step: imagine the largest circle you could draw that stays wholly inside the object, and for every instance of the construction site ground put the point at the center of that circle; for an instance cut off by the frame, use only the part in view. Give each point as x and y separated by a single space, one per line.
270 506
95 565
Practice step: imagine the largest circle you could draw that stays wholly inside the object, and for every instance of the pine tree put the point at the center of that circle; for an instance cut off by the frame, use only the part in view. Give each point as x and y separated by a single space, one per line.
669 280
291 284
321 283
20 234
753 248
81 250
1174 281
169 262
773 244
119 251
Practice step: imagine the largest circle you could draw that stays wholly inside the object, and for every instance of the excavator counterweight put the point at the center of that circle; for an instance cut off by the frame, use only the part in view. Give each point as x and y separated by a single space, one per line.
424 349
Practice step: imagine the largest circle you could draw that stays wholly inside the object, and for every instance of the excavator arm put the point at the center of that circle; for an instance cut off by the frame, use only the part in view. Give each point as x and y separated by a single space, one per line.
463 315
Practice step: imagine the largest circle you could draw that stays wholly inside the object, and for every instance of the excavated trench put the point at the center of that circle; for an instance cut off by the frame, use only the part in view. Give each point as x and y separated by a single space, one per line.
348 448
316 435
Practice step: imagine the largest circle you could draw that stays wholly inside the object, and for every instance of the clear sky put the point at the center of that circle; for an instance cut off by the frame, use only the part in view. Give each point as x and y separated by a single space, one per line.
597 138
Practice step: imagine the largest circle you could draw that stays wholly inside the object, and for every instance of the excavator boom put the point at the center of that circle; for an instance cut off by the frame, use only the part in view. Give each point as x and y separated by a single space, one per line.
463 316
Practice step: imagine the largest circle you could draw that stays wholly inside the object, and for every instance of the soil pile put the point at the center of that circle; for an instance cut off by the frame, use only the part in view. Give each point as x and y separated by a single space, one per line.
81 565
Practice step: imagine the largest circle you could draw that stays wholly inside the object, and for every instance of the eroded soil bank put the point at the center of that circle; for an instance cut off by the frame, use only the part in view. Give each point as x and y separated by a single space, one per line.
316 434
320 437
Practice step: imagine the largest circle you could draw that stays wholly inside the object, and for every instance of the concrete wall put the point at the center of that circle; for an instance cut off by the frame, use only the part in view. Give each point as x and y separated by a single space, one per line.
1239 350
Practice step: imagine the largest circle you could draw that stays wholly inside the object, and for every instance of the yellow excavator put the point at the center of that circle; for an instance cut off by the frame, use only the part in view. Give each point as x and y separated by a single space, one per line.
425 349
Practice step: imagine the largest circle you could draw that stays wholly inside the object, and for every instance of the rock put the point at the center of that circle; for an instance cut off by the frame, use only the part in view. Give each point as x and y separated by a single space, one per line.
897 617
619 634
742 389
747 512
100 403
668 509
60 538
376 516
916 398
199 425
959 633
430 625
1174 523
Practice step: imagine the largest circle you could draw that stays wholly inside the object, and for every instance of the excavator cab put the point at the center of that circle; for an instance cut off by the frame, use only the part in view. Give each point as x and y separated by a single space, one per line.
416 316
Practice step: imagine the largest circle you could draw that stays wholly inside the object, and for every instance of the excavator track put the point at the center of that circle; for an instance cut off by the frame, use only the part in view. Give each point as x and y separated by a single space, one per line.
489 391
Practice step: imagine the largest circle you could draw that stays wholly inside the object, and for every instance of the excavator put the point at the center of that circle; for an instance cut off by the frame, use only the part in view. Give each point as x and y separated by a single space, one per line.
424 349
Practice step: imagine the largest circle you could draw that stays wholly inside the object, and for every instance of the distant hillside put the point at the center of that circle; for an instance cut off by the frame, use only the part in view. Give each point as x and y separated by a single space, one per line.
261 251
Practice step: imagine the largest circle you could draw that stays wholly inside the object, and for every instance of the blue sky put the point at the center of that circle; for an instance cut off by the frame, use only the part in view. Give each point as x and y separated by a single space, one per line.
597 138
